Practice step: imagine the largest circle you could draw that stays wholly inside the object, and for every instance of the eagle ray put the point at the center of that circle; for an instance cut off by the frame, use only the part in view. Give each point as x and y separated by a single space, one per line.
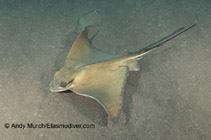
99 75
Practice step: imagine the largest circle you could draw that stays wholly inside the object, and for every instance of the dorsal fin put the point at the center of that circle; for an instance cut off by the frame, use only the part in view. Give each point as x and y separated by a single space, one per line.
83 53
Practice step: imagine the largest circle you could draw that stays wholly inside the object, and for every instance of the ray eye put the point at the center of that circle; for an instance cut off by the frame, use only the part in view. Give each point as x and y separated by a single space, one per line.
70 82
63 84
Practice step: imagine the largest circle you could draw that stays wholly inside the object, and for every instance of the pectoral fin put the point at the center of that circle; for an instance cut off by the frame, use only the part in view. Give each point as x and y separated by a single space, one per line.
105 86
83 52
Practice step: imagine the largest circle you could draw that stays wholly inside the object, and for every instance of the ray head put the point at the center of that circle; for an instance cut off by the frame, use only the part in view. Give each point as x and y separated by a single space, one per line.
63 80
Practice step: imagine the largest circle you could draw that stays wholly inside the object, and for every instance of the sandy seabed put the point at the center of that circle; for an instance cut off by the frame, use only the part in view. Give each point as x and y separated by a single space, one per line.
169 99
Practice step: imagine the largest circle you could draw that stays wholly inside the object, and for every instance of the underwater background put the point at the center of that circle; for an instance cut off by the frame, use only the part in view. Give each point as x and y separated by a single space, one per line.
168 99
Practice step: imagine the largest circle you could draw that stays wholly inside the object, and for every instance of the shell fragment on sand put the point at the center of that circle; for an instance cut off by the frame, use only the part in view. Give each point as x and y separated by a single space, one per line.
90 19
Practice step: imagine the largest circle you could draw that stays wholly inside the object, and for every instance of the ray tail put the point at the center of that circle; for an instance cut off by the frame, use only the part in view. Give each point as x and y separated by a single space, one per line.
164 40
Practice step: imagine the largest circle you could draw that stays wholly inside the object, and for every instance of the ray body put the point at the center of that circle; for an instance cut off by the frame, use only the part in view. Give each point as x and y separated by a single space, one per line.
99 75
